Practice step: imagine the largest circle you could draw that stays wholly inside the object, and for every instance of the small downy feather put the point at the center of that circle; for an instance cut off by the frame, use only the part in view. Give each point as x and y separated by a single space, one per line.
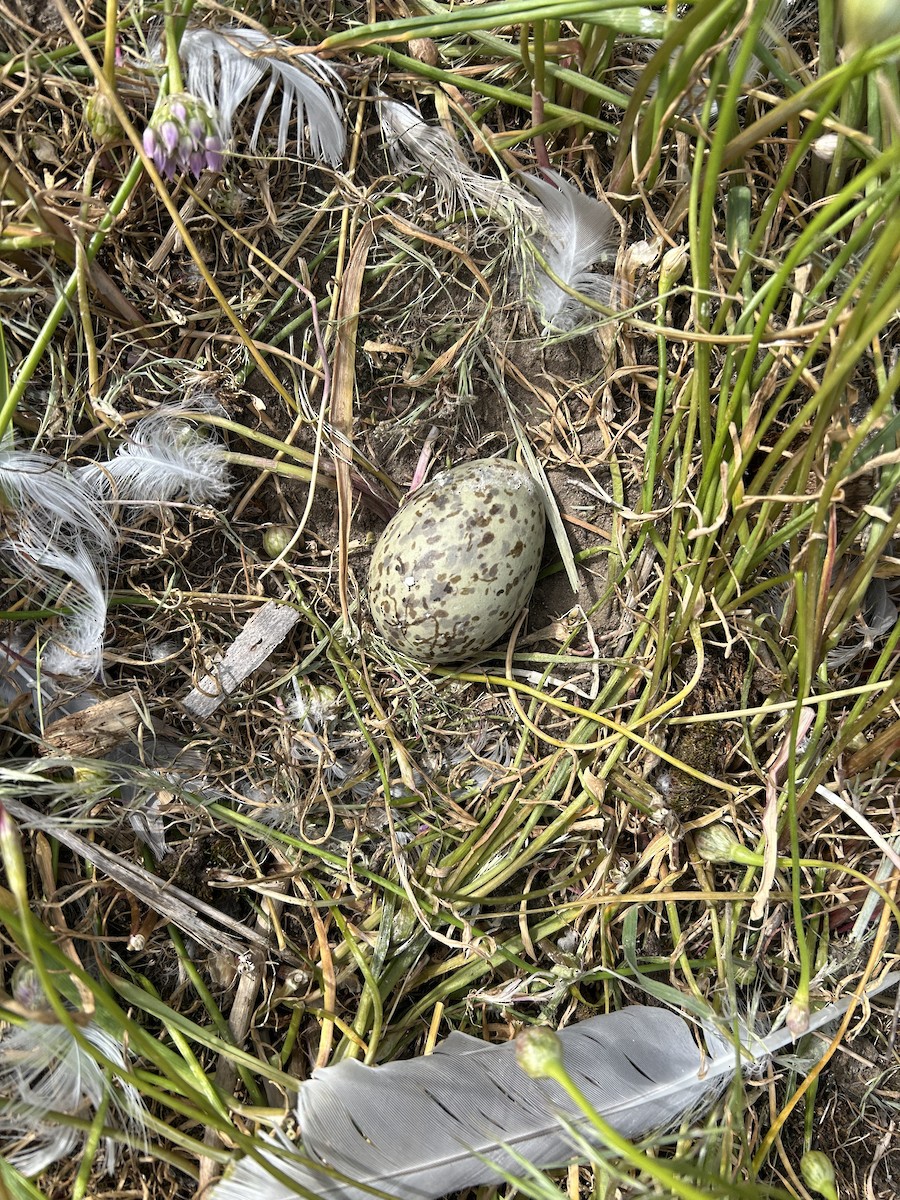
224 66
414 146
44 1070
421 1128
164 459
60 538
579 232
47 503
60 533
81 580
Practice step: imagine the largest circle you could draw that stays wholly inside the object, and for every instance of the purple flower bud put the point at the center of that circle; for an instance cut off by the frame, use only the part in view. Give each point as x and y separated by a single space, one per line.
183 138
169 133
214 157
150 143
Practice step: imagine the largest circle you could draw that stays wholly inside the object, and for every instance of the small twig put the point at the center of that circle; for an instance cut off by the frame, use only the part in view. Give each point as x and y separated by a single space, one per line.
217 932
265 630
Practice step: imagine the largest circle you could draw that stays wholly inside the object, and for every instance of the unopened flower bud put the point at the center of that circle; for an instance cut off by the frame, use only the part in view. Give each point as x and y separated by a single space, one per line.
716 844
539 1052
183 136
276 539
102 120
672 267
215 152
168 134
797 1019
818 1174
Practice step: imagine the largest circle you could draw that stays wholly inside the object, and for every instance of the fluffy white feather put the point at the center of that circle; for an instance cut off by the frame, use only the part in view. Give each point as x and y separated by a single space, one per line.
45 502
224 66
58 523
579 231
43 1070
165 458
424 1127
60 539
414 146
81 581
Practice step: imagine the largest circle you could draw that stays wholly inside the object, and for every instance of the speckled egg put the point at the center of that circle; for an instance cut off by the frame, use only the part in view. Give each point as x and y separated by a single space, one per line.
456 565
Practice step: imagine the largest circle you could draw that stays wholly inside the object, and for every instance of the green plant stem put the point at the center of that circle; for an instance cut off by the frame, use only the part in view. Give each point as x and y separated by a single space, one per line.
655 1168
69 291
370 1002
109 41
175 82
672 66
443 21
491 90
91 1146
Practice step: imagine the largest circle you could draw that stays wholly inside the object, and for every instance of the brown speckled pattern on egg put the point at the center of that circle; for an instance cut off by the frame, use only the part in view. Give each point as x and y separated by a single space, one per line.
456 565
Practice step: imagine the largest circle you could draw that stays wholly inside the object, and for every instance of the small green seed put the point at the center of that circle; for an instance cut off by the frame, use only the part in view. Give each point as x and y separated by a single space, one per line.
101 118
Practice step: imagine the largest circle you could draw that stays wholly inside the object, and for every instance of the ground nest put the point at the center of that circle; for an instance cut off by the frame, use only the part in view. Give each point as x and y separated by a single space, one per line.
674 782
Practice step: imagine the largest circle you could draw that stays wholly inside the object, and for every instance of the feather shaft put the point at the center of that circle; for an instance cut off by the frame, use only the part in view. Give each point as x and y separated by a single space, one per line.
415 146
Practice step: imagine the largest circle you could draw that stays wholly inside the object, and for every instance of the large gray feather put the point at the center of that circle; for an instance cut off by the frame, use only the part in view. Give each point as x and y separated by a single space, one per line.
425 1127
